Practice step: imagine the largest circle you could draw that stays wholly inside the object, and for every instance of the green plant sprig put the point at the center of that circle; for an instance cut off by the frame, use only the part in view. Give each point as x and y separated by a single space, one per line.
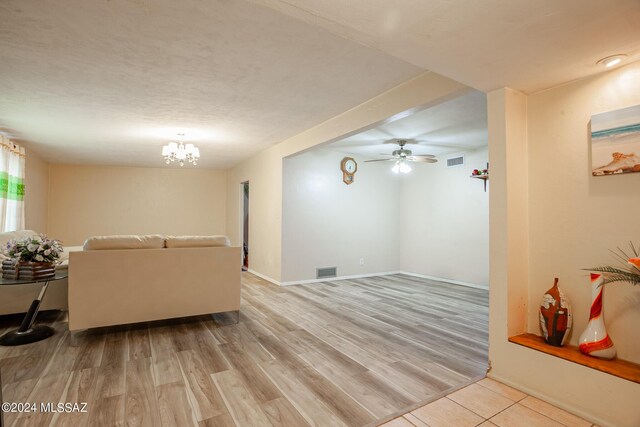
616 275
629 274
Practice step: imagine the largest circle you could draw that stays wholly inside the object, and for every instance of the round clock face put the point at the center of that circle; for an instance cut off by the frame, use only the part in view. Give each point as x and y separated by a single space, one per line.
350 166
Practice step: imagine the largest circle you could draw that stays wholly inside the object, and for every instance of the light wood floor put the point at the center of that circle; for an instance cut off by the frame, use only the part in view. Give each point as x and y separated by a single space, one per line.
349 352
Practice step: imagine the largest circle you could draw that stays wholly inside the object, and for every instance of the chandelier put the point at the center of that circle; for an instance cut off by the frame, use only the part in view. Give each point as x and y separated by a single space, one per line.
178 151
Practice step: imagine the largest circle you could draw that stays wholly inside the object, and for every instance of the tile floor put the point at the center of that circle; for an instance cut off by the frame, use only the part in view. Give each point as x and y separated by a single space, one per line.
488 403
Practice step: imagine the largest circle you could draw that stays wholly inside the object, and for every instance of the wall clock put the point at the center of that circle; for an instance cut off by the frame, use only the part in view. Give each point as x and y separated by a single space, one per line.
349 167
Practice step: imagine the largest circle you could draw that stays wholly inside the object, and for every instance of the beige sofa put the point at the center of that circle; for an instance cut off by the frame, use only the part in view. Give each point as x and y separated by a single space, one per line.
128 279
17 298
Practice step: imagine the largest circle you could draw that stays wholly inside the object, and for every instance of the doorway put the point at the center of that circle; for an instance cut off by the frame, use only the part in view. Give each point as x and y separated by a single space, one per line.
245 225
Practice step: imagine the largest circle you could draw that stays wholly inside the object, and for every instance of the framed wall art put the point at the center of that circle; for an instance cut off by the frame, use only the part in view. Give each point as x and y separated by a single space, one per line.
615 142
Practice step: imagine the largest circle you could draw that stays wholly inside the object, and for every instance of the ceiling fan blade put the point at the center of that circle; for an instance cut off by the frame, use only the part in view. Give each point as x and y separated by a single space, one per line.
421 159
430 156
378 160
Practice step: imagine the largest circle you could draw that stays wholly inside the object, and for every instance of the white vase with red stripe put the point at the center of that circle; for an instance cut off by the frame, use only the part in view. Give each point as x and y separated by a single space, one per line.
595 341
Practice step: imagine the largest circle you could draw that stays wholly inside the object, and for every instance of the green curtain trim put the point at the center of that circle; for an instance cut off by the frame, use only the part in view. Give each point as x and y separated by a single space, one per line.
11 187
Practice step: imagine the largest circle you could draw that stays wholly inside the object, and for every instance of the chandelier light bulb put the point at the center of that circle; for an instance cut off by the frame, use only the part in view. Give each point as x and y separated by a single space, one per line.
180 152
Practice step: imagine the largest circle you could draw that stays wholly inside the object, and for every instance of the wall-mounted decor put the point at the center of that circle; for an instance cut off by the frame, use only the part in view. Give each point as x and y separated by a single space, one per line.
615 142
481 174
349 167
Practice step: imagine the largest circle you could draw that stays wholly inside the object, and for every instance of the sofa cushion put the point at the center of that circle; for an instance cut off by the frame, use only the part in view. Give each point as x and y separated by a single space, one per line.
151 241
196 241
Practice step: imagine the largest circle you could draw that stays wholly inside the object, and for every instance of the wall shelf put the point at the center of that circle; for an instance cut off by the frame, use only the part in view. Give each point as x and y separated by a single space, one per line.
620 368
484 177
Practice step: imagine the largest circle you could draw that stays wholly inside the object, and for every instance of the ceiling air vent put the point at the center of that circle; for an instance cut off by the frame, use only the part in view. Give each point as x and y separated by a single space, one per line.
455 161
323 273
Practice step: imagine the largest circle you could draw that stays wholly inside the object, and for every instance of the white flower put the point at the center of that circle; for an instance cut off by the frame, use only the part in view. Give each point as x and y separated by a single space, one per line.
32 247
47 252
39 257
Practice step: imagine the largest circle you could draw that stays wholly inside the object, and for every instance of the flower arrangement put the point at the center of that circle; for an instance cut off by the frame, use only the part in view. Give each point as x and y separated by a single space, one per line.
630 270
34 249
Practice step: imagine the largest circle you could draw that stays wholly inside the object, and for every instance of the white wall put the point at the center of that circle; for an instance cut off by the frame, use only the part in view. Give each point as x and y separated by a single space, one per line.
433 221
445 220
327 223
94 200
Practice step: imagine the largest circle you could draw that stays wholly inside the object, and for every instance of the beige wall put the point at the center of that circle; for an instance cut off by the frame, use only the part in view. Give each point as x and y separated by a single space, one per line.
552 221
264 171
575 218
97 200
36 196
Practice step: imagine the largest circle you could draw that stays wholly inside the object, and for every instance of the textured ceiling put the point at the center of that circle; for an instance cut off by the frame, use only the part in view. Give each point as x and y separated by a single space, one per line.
449 127
523 44
112 81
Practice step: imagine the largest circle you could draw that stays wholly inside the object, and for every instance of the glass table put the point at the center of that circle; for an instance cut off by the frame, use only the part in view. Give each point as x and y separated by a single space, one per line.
27 332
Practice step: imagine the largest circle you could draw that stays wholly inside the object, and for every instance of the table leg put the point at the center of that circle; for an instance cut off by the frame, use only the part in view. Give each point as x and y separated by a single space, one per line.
27 333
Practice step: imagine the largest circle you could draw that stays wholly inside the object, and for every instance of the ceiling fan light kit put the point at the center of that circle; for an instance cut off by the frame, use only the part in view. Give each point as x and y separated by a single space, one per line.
401 166
403 156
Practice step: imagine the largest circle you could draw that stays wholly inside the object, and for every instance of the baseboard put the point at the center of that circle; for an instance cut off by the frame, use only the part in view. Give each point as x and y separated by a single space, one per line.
362 276
551 400
262 276
331 279
442 279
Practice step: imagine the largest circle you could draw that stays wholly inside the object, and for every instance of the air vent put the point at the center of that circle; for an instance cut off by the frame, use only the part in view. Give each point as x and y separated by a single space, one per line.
323 273
455 161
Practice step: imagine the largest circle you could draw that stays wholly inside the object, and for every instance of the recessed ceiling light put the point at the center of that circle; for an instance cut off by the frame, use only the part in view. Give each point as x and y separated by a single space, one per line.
612 61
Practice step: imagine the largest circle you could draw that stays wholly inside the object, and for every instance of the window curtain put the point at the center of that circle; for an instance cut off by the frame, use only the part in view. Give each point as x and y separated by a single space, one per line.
11 185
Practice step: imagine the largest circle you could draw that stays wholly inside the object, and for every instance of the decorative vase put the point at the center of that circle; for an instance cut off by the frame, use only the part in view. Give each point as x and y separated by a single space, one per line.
10 269
555 316
34 270
594 341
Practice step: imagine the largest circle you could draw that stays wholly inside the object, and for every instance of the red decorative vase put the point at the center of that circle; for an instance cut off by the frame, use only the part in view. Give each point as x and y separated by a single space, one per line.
595 341
555 316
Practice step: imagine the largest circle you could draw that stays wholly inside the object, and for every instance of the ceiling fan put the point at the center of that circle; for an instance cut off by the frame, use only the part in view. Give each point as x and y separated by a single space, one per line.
403 156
